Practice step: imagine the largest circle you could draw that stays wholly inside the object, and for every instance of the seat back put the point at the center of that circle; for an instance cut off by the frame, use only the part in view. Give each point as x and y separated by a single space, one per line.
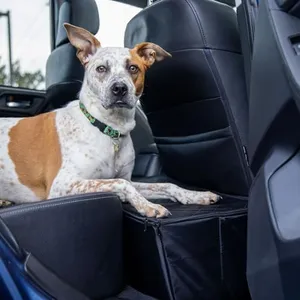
196 102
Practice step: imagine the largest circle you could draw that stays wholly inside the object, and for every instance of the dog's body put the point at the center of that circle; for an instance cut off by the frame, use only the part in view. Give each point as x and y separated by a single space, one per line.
62 153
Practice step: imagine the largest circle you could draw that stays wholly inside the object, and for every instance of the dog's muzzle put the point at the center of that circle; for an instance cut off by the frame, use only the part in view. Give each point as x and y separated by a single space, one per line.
119 92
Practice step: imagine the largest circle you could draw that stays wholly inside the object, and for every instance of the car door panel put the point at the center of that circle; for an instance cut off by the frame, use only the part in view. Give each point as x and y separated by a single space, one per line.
19 102
274 143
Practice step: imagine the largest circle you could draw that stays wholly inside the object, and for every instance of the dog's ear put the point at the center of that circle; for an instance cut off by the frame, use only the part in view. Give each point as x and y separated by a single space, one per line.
150 53
85 42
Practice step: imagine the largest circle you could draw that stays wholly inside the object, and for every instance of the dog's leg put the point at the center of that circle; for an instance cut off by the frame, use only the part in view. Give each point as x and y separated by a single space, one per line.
123 189
175 193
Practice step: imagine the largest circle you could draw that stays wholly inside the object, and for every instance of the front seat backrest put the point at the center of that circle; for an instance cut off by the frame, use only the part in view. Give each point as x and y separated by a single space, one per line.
196 102
64 73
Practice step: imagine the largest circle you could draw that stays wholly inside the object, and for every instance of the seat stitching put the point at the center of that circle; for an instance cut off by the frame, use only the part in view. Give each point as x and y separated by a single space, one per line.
198 21
16 211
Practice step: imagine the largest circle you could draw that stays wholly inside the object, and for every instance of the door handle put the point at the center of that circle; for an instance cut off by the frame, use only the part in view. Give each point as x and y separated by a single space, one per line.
18 104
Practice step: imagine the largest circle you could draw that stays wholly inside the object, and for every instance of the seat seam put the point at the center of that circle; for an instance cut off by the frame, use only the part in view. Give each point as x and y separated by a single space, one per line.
43 206
227 108
197 21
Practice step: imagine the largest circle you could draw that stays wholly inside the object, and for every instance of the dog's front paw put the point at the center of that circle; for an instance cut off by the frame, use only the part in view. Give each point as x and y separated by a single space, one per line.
152 210
205 198
195 197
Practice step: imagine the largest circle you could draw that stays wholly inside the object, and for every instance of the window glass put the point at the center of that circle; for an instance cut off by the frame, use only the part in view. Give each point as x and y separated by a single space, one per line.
114 17
30 42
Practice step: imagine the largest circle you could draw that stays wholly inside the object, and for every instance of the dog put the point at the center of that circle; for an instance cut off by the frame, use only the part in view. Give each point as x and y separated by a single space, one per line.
86 146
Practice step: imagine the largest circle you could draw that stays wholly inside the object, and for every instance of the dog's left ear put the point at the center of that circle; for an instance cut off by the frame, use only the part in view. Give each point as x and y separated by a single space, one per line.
85 42
150 53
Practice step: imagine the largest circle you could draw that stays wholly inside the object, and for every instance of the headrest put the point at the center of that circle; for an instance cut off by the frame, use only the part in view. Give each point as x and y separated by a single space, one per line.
77 12
179 25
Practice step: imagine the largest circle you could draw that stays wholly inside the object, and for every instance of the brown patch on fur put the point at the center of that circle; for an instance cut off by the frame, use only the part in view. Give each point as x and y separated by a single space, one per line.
35 151
139 77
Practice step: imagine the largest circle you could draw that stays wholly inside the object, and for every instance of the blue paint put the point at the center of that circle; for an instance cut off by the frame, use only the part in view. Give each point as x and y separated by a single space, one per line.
15 284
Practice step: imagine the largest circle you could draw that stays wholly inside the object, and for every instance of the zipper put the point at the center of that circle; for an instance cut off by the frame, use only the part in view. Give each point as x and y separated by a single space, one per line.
163 259
145 224
246 155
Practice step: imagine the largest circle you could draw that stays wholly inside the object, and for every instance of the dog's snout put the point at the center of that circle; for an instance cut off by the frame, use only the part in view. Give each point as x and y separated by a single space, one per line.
119 89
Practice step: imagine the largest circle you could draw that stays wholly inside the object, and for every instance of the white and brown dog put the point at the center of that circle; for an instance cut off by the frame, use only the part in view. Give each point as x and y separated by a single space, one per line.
86 146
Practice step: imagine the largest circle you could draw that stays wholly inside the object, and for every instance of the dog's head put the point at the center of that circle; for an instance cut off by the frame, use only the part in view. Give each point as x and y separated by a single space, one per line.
115 76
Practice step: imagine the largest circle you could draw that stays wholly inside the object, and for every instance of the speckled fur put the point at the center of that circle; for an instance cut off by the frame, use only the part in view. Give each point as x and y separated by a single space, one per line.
89 162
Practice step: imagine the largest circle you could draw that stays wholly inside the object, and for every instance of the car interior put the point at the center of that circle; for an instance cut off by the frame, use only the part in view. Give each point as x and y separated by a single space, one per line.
221 115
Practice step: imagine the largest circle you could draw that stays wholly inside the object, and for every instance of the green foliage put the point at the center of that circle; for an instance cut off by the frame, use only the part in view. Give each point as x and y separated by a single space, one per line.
31 80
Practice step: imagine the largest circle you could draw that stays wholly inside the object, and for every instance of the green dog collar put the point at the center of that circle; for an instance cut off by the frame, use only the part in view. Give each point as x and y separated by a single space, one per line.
108 130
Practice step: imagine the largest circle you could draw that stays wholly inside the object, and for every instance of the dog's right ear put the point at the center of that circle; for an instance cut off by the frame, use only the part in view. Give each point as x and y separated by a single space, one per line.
85 42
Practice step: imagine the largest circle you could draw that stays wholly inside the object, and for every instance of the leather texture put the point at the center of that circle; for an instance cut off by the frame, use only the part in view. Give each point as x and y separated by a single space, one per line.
196 102
78 238
247 14
79 13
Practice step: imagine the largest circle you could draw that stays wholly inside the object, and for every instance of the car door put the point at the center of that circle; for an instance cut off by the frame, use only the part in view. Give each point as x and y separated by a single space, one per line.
273 260
25 47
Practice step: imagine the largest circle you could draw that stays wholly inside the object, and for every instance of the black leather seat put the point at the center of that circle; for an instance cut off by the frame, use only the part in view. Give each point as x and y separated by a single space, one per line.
70 248
196 102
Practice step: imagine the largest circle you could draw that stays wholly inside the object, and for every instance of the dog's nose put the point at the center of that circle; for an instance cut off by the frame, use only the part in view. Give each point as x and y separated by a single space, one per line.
119 89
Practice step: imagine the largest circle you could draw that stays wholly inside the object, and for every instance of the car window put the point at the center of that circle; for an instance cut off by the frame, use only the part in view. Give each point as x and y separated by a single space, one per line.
114 17
30 43
30 37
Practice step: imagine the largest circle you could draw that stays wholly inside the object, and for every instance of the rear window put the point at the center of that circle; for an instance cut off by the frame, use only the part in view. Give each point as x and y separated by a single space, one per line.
114 17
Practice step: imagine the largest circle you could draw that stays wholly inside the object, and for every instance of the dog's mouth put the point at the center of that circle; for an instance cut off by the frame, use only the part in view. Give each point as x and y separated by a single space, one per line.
121 104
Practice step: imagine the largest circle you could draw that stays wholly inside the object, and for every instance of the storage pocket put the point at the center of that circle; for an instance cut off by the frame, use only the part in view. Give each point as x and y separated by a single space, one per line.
207 160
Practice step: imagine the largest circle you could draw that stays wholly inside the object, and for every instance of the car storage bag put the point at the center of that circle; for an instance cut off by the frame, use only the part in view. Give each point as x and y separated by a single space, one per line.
198 253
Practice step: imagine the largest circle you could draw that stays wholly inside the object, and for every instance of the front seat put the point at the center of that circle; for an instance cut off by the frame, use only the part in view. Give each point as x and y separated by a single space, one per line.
196 102
197 108
64 73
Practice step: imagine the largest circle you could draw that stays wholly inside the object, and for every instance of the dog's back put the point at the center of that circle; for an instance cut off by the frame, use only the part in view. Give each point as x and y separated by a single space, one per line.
27 149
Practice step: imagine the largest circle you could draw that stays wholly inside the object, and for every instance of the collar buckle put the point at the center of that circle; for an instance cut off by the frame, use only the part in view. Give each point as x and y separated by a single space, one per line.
114 134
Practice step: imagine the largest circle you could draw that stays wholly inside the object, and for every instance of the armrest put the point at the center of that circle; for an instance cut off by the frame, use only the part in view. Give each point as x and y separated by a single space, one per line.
78 238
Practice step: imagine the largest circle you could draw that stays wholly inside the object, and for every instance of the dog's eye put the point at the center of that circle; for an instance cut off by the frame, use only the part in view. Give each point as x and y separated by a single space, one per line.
133 69
101 69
